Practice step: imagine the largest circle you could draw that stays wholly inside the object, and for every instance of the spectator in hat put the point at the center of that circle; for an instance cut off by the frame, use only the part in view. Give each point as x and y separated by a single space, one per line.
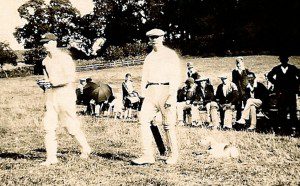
205 96
256 96
226 97
59 70
239 78
286 78
161 78
188 93
190 69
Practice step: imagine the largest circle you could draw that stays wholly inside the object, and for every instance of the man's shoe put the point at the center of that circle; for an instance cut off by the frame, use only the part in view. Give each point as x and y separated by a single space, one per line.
241 121
260 115
180 123
143 160
49 162
251 129
172 160
227 128
86 153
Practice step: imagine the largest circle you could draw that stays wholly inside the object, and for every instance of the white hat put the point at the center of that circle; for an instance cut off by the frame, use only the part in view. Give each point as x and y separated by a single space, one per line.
155 32
203 79
239 58
224 76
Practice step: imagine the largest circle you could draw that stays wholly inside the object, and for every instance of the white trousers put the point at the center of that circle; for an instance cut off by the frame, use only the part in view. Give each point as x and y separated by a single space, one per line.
250 110
155 99
60 105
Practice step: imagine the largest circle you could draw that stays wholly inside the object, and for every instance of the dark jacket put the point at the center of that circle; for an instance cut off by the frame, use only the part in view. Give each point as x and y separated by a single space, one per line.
260 92
240 80
209 94
185 94
288 82
231 97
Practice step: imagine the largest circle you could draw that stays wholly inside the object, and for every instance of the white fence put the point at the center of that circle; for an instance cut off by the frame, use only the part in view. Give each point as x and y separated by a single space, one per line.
110 64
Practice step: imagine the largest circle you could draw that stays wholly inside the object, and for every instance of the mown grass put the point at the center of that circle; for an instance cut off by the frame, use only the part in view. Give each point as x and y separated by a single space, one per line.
265 159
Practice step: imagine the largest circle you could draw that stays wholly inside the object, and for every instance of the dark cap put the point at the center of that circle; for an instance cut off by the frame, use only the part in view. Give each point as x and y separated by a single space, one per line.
189 81
48 37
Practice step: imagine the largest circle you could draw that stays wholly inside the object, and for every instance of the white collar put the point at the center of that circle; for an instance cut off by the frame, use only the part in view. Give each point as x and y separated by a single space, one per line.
254 85
284 70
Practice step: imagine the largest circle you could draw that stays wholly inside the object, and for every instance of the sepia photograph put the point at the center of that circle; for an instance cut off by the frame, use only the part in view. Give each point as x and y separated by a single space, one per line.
149 92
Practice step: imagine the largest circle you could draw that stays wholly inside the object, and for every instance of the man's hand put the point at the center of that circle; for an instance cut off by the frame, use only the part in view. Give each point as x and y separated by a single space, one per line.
44 84
169 102
167 105
226 106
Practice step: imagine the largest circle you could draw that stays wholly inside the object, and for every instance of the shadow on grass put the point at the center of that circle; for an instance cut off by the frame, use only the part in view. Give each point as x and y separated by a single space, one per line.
16 156
111 156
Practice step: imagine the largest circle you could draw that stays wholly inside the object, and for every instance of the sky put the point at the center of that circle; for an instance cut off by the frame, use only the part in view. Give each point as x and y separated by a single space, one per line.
9 18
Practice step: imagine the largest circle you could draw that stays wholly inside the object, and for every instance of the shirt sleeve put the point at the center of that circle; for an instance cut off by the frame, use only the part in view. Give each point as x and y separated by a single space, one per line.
175 75
144 77
44 63
69 70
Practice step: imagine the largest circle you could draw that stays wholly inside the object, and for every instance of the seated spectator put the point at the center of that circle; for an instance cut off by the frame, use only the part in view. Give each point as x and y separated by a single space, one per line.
131 98
256 96
205 96
186 97
226 96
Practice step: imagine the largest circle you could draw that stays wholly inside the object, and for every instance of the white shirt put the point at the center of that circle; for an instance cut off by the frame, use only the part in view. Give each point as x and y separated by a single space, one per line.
284 70
229 87
129 86
60 68
252 88
162 66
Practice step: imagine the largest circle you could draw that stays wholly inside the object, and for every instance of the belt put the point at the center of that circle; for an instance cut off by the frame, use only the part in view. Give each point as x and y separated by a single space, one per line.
167 83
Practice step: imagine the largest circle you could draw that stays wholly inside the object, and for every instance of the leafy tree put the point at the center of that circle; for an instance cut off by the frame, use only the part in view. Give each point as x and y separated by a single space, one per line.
7 55
58 17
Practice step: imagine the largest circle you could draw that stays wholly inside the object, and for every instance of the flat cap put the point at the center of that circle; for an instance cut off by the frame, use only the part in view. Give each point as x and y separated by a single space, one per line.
155 32
239 58
190 81
203 79
48 37
223 77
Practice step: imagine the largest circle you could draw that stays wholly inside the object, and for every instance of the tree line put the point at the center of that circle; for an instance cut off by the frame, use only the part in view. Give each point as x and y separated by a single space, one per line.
193 27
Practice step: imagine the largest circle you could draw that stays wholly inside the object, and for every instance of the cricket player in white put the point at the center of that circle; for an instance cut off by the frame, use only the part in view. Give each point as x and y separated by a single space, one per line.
161 79
60 99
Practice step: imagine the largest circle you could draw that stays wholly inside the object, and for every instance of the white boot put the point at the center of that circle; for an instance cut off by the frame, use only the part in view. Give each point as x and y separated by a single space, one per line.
51 148
49 162
144 159
86 153
147 139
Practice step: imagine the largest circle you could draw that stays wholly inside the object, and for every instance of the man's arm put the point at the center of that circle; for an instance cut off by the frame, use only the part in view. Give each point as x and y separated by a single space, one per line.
175 76
271 74
144 81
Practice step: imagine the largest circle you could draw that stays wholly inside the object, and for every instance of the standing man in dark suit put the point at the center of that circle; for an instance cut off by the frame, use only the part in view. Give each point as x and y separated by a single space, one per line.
286 78
239 78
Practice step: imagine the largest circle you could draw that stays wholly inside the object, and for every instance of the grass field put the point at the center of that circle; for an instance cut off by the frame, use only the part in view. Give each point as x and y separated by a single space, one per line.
265 159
